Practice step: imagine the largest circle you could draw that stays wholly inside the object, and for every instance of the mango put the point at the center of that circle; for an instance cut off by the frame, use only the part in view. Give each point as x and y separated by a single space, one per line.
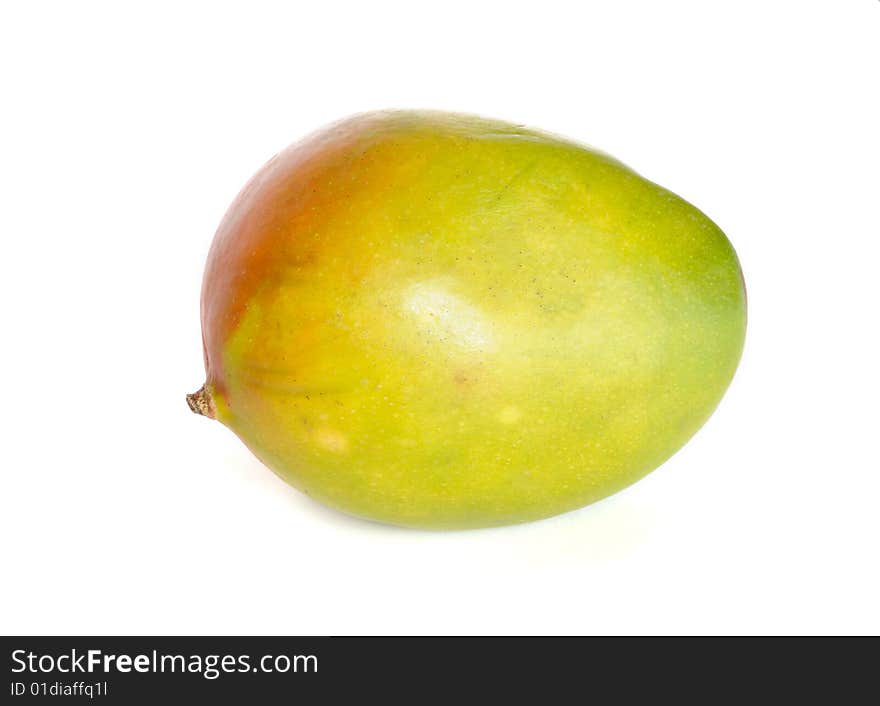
440 321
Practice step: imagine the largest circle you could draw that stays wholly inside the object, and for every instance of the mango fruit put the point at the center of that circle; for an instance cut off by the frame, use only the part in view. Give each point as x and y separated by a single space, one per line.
441 321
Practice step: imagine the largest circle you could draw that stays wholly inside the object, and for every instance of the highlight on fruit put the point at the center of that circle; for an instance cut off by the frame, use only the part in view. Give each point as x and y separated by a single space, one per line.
440 321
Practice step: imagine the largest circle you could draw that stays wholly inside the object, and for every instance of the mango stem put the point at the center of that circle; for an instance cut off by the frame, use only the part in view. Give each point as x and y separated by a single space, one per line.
202 403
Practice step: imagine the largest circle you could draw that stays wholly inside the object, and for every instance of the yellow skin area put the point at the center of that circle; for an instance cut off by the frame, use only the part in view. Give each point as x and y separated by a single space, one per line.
474 324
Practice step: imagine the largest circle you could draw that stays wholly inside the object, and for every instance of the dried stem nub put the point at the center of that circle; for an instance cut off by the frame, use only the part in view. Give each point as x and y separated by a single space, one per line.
201 403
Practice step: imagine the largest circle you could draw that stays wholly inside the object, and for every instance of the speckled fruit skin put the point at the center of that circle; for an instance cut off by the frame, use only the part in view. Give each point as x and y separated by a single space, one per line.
440 321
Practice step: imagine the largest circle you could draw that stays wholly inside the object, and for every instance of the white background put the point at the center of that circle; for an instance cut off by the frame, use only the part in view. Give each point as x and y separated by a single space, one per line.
126 131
